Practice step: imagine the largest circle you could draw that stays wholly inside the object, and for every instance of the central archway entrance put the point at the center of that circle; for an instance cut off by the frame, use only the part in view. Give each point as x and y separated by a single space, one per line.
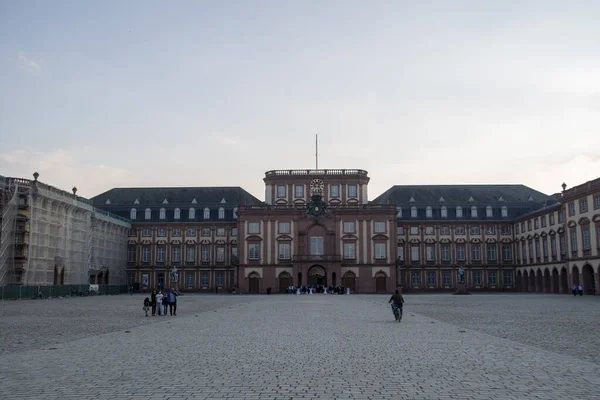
285 281
317 276
254 283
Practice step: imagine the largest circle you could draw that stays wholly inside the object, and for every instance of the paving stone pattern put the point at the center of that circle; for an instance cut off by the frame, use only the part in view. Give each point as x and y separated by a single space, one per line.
293 347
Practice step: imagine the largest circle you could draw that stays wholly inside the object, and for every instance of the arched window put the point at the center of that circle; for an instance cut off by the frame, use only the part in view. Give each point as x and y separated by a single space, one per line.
459 212
429 212
192 213
504 211
177 213
207 213
413 212
221 213
444 212
488 212
148 213
235 213
133 214
473 212
163 213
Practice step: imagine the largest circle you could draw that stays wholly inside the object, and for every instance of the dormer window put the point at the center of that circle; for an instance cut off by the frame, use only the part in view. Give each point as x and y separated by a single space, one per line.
221 213
207 213
444 212
428 212
192 213
459 212
133 213
398 212
504 211
163 213
148 213
413 212
488 212
473 212
235 213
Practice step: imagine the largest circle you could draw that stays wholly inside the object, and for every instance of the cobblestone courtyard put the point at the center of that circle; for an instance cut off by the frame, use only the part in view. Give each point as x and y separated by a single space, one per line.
522 346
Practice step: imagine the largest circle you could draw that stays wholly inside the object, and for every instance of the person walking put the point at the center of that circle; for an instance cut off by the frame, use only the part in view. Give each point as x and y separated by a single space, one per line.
172 297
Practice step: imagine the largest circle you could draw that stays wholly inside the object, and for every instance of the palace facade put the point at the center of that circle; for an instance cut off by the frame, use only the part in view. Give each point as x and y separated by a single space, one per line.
318 227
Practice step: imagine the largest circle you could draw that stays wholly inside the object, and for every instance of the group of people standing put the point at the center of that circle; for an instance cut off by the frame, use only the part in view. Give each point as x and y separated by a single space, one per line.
160 302
577 290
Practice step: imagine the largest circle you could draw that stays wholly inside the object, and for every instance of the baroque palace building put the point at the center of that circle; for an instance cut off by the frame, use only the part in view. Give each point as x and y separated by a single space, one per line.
318 227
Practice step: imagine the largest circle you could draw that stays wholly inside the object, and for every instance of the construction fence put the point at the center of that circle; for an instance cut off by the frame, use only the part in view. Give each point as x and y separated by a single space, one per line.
14 292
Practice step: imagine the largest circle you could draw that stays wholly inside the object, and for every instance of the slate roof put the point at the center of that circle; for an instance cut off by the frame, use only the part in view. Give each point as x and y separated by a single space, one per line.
122 200
518 200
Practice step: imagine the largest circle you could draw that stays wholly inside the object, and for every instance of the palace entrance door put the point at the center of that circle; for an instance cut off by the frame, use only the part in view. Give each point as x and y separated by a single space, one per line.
317 276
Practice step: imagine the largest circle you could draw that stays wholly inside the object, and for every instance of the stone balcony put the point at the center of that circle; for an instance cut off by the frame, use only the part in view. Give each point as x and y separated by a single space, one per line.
316 172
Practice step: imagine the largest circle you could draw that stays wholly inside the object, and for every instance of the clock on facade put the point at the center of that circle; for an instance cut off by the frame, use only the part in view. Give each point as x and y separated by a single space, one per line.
316 186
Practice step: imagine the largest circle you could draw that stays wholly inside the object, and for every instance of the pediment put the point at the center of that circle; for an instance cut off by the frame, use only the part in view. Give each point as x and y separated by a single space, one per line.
349 237
161 241
233 241
190 241
285 238
461 240
205 241
560 230
253 238
353 202
429 240
475 240
490 240
523 239
583 221
572 224
529 237
506 240
401 240
596 218
299 201
146 241
414 240
552 232
445 240
281 202
131 241
543 234
536 235
335 201
220 241
379 236
175 241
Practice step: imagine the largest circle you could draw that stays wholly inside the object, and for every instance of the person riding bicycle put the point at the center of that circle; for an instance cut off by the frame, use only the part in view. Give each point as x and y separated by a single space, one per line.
398 301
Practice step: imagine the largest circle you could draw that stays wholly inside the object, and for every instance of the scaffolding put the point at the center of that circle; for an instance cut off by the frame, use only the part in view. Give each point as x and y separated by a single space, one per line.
68 241
9 201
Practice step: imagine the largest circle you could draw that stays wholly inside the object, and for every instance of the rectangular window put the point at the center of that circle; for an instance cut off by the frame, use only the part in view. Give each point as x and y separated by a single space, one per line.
205 254
380 251
508 277
400 230
233 231
597 202
585 236
334 191
220 254
529 225
476 252
490 230
190 256
474 230
176 254
299 191
536 223
543 221
553 245
458 212
220 279
206 232
189 279
429 230
445 252
545 246
400 250
131 253
446 278
531 254
254 251
221 232
561 217
506 253
161 232
505 230
491 252
444 230
253 227
477 278
160 255
204 279
524 251
285 251
316 246
414 253
349 251
573 240
146 254
284 227
280 190
459 230
571 209
460 252
551 219
414 230
352 192
234 252
191 232
146 232
430 278
430 253
583 206
492 278
428 212
348 227
176 232
379 227
444 212
416 278
563 245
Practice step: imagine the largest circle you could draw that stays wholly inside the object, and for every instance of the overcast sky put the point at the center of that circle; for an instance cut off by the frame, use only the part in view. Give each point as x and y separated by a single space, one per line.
103 94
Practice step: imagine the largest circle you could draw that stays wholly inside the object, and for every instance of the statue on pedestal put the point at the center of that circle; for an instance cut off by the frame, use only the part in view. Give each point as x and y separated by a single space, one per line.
461 275
174 275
